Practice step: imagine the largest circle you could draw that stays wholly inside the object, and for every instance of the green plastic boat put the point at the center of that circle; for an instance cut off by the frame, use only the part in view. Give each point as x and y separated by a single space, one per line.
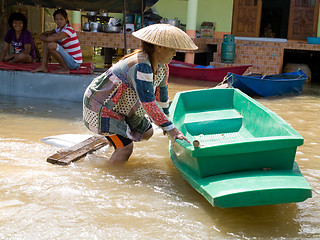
242 152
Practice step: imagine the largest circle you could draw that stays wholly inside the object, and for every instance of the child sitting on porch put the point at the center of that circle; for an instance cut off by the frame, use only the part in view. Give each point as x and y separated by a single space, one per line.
21 40
62 43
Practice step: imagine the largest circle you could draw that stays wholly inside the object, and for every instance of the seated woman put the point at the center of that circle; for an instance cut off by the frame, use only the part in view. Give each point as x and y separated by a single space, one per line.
62 43
21 40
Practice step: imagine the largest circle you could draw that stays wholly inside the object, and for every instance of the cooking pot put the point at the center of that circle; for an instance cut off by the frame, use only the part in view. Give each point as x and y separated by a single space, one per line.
103 14
86 26
95 26
92 14
111 29
113 21
174 22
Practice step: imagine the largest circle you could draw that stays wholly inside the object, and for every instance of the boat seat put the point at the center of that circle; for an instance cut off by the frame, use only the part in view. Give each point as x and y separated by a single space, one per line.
221 138
213 122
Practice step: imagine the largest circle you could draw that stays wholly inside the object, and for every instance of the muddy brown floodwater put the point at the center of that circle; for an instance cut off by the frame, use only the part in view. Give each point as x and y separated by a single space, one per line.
143 199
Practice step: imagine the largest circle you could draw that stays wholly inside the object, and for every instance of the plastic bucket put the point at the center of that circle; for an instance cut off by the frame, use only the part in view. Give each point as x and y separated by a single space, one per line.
130 18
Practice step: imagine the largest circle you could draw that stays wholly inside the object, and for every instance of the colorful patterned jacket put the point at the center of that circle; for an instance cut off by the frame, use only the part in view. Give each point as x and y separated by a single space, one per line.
128 86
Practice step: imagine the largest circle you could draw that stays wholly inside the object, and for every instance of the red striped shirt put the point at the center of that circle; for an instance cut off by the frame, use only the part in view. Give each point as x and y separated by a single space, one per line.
71 43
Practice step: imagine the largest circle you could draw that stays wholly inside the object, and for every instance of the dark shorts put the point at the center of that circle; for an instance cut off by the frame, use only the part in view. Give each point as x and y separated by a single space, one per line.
119 141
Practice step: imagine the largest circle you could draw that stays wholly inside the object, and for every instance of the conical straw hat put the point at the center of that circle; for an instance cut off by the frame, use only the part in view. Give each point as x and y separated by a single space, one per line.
166 35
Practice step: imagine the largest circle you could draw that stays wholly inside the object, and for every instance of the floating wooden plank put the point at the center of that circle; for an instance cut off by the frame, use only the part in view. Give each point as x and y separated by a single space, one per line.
71 154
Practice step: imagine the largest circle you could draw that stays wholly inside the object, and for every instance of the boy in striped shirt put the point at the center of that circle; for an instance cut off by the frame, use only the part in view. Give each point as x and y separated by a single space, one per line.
62 43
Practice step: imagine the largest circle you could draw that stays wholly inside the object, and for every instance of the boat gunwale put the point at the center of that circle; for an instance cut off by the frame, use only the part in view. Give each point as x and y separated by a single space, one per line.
269 85
272 114
266 79
174 63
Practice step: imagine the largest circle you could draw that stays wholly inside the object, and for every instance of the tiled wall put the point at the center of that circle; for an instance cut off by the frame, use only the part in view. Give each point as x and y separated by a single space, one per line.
266 57
111 40
114 40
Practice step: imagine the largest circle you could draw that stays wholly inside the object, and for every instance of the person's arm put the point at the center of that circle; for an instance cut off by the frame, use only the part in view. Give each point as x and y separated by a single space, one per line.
143 78
28 41
55 37
144 88
27 48
49 36
162 95
46 34
4 51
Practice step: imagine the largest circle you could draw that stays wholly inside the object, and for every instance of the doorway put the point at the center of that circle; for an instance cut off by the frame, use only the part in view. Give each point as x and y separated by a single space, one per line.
274 18
291 19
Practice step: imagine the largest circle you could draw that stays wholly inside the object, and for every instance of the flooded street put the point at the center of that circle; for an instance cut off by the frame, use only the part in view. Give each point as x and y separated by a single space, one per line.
143 199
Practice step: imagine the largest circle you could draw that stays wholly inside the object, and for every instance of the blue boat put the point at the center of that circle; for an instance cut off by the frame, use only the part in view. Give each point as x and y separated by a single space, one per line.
270 85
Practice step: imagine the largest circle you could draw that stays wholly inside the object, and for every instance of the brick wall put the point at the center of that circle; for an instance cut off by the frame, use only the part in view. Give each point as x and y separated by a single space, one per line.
111 40
266 57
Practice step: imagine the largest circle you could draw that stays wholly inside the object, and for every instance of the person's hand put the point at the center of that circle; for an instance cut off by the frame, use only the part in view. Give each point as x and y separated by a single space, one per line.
42 37
176 134
8 58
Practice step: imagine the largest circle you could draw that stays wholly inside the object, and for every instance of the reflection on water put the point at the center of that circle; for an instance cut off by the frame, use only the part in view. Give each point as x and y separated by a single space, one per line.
143 199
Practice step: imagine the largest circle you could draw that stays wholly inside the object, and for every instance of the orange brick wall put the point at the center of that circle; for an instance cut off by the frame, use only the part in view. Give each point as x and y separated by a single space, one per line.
111 40
266 57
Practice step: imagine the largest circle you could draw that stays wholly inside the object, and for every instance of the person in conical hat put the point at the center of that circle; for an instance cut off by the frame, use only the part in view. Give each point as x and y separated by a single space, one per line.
166 35
122 102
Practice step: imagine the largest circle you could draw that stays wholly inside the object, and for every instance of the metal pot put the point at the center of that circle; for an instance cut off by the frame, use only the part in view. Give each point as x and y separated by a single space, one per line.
174 22
95 27
103 14
92 14
86 26
111 29
113 21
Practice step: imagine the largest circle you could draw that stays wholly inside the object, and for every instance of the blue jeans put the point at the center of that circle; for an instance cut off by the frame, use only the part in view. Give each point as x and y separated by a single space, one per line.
71 63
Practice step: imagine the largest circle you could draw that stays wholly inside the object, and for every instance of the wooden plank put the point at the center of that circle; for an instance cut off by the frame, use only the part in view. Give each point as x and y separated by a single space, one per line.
71 154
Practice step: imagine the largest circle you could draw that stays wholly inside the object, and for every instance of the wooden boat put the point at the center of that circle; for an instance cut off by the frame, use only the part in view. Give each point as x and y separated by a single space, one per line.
198 72
242 153
270 85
